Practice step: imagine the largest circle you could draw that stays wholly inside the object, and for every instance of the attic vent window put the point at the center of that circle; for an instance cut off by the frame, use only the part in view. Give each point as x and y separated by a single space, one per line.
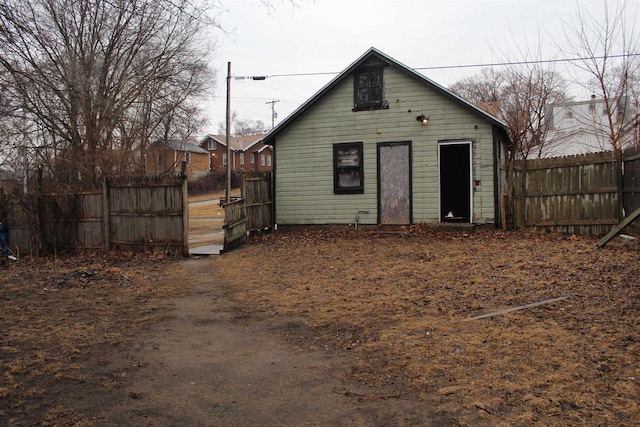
368 89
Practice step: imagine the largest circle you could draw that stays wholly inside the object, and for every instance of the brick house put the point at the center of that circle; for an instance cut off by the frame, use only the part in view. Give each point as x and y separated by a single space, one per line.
164 157
248 153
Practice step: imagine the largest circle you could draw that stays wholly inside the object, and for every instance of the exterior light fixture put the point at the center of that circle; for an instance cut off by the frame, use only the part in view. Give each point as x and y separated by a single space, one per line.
424 120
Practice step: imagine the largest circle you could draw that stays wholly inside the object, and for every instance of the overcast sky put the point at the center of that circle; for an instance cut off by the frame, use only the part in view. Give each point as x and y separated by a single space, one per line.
326 36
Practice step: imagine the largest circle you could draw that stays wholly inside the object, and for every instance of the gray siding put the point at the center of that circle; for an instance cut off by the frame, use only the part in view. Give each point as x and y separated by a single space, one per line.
304 152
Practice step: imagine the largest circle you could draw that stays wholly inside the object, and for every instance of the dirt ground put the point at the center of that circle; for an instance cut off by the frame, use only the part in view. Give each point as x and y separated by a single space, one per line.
328 328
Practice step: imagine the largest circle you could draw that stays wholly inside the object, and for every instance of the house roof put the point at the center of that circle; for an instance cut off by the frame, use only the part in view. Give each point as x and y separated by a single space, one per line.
178 145
237 143
264 147
375 53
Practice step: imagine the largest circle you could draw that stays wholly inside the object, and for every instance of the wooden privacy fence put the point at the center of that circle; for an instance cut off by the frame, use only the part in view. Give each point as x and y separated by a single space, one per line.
138 213
631 180
583 194
252 212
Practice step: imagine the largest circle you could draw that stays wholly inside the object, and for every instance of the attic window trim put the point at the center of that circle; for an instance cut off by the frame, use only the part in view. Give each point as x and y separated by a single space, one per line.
377 104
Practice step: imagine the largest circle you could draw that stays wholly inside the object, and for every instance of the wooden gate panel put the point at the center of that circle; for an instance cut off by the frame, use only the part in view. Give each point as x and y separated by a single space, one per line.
235 224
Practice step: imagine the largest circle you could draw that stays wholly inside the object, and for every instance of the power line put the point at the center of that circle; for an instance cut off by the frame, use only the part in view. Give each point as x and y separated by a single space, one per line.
490 64
540 61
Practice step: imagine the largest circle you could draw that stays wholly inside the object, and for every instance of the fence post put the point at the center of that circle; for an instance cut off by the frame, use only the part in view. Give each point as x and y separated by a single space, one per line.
620 183
523 190
243 185
185 216
106 220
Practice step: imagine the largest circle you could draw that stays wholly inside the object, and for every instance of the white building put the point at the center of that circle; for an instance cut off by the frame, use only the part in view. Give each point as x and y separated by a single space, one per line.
583 127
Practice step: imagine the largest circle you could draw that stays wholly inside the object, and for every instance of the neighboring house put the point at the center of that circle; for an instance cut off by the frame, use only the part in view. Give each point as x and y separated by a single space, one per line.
583 127
248 153
382 144
164 157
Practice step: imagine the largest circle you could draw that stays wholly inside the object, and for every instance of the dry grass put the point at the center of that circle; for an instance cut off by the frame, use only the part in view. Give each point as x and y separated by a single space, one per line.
207 196
206 211
213 210
57 315
400 302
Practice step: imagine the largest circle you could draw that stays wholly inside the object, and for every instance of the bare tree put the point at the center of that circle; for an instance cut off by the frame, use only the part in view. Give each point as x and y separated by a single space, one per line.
607 50
244 127
103 78
519 96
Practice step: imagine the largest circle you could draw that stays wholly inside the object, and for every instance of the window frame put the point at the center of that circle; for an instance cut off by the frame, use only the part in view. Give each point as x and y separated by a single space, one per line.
269 160
370 105
337 169
252 158
242 158
212 145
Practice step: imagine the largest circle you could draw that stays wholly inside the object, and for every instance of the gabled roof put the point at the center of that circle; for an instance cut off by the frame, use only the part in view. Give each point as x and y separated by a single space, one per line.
264 147
178 145
237 143
375 53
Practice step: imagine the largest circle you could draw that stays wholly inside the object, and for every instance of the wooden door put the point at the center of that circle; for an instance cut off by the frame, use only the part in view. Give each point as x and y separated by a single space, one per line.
394 183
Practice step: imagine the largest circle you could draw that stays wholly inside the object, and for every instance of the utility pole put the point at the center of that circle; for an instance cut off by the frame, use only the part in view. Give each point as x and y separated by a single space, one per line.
228 126
273 111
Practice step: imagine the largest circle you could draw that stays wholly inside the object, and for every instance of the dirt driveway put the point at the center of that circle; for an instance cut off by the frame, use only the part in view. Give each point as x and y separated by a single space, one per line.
211 364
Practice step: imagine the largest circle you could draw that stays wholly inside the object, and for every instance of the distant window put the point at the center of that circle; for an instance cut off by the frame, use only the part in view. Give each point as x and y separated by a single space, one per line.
569 114
268 160
252 158
211 145
368 89
224 158
348 174
242 158
262 159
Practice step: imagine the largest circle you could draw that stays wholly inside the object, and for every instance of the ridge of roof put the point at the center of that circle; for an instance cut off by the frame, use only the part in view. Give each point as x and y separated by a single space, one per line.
238 143
183 146
373 52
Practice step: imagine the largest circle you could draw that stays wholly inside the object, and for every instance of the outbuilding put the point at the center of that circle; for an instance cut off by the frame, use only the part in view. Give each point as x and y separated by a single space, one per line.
383 144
